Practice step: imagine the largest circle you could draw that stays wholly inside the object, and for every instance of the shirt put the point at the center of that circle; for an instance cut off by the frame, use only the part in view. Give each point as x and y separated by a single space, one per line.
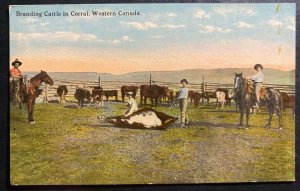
132 107
15 72
258 77
183 94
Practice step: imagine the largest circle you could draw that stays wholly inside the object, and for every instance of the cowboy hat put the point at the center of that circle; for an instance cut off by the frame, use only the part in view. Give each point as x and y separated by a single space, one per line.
184 80
16 62
258 65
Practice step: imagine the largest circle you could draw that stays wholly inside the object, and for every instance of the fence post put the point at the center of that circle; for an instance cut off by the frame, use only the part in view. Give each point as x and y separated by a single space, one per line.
99 81
150 80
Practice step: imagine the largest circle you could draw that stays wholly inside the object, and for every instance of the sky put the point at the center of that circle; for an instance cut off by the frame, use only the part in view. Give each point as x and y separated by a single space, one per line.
162 37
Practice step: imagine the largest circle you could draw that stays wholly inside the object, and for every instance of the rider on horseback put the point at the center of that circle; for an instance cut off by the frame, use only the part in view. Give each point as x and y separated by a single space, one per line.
258 82
15 76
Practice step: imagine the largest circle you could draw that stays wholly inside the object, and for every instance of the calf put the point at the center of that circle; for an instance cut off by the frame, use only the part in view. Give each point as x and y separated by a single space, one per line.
62 91
288 101
221 98
108 93
97 95
81 94
227 96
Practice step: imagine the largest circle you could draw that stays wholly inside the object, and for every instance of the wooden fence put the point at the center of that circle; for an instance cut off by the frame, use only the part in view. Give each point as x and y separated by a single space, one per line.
49 92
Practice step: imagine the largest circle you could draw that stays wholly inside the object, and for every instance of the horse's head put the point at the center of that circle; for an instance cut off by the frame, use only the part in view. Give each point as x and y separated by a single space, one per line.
46 78
238 80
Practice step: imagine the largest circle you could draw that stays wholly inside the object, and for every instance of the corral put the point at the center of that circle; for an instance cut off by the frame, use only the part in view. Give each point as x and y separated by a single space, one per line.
68 145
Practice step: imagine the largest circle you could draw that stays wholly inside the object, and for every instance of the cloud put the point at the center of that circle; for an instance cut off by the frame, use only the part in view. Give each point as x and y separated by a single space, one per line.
225 10
291 23
140 26
201 14
126 38
210 29
173 26
44 24
274 23
243 25
29 20
171 15
65 36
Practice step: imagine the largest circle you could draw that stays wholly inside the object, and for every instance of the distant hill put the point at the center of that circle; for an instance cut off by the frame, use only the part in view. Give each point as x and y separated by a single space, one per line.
192 75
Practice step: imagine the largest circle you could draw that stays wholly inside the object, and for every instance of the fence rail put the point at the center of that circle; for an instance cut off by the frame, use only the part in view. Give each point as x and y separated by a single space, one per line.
50 91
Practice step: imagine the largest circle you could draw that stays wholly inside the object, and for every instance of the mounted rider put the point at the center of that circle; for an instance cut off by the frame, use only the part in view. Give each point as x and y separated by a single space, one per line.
15 76
258 79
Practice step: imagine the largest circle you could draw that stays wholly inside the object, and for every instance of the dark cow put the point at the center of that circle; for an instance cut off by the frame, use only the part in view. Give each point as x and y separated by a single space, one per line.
197 98
153 92
97 95
81 94
62 91
109 93
208 95
191 95
125 89
288 101
169 97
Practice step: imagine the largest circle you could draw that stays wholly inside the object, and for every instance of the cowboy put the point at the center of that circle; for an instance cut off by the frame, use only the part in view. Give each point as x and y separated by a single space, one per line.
258 79
131 104
15 76
183 101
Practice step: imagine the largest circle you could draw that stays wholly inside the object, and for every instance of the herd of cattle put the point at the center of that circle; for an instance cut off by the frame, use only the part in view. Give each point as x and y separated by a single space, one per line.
157 94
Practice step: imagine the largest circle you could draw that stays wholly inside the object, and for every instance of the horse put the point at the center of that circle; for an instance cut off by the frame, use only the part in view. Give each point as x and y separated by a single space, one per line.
244 92
28 94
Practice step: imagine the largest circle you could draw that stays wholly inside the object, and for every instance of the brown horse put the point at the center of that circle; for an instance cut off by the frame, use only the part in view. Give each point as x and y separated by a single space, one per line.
28 94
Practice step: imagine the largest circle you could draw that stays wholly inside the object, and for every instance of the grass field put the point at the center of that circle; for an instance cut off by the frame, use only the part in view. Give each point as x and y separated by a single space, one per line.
70 146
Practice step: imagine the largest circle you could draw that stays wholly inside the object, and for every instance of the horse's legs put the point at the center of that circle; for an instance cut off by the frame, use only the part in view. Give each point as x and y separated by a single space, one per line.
247 116
271 111
241 116
279 114
30 111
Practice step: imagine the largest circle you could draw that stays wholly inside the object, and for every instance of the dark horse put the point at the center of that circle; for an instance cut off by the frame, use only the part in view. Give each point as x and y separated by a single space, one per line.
244 92
28 94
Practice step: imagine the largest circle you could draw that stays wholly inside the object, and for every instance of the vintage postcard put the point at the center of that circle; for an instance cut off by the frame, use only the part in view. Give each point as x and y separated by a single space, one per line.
152 93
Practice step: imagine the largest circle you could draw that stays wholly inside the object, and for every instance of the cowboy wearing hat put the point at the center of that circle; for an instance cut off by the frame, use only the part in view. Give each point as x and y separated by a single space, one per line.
183 102
131 104
15 75
258 79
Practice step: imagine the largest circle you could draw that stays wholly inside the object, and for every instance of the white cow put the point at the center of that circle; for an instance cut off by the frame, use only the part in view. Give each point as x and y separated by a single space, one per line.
221 98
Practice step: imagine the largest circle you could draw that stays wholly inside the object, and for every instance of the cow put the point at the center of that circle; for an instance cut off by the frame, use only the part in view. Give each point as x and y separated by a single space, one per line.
227 96
288 101
125 89
197 98
208 95
97 95
221 99
191 95
62 91
108 93
154 92
170 96
81 94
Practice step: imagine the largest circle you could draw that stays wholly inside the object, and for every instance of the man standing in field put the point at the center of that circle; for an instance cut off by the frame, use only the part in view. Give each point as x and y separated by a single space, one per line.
131 104
183 101
258 79
15 76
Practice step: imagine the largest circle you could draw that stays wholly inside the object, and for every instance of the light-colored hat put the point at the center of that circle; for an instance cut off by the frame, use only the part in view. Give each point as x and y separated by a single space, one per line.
129 93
